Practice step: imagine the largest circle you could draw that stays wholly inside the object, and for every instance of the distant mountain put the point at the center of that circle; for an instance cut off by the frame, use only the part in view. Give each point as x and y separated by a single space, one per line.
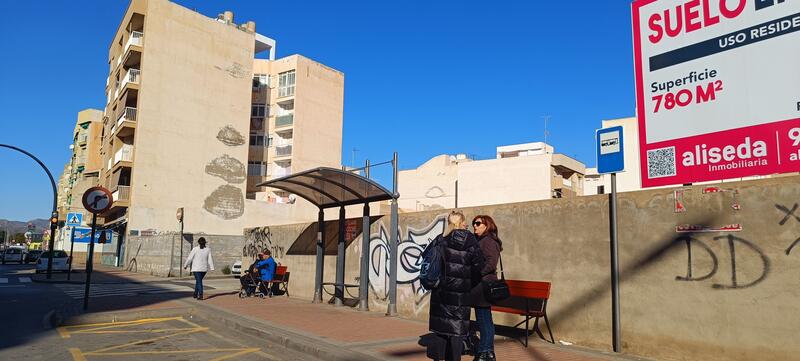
22 227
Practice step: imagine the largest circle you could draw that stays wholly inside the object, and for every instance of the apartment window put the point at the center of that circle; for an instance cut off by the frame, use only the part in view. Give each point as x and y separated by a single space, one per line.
258 110
260 81
286 83
601 189
260 140
257 169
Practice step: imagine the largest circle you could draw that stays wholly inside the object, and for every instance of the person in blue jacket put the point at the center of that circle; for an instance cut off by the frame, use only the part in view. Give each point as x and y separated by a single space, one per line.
266 268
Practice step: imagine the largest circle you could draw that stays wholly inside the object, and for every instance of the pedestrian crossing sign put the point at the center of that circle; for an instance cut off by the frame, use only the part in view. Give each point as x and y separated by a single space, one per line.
74 219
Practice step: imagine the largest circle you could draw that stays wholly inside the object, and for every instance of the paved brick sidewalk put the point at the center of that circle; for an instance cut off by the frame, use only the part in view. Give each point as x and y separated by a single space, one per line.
386 337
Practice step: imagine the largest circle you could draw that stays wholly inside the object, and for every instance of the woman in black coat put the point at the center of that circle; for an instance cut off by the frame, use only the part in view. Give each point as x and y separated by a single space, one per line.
450 304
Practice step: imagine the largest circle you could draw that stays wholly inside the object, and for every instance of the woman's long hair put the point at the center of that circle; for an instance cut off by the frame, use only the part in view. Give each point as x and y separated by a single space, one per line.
491 227
201 242
455 220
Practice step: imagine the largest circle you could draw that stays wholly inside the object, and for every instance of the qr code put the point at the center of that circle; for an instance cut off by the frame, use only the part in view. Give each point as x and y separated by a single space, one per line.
661 162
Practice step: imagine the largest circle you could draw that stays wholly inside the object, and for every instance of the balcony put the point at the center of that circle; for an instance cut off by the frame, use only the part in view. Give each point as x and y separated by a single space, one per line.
125 154
127 115
82 139
135 38
278 172
284 121
121 196
283 151
132 77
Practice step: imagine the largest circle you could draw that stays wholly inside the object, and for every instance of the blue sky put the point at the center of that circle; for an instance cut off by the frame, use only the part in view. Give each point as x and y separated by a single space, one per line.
421 77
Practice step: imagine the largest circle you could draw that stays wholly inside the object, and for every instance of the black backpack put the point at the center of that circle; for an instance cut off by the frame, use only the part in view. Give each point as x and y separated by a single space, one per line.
431 271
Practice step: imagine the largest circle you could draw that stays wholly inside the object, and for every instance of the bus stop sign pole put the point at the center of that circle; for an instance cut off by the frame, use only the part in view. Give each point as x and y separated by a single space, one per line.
611 159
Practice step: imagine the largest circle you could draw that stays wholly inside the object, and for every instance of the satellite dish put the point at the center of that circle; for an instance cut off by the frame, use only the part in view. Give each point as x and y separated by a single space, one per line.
292 198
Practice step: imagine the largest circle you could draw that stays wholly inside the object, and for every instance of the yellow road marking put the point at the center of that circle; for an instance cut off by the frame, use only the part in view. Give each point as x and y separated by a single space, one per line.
64 331
240 353
159 330
76 354
168 352
148 340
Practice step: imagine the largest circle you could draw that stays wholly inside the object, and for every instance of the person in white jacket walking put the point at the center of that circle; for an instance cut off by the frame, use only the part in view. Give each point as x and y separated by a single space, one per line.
200 261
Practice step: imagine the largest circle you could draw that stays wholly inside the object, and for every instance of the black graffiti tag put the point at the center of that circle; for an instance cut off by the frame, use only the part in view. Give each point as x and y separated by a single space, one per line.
789 213
731 246
714 262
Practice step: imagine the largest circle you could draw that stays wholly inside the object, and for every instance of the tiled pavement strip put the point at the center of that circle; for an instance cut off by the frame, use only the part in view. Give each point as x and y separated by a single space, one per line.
390 338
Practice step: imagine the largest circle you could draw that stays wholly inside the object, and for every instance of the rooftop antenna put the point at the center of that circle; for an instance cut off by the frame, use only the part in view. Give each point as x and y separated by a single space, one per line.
546 118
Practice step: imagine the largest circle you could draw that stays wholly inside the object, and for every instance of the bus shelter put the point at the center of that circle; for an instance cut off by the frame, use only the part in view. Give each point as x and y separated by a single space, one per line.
330 188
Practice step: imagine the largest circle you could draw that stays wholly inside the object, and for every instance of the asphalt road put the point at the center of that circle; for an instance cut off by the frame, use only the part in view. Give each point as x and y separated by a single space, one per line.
28 310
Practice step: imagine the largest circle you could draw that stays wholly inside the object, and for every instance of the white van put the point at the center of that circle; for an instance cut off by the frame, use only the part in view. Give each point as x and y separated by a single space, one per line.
14 254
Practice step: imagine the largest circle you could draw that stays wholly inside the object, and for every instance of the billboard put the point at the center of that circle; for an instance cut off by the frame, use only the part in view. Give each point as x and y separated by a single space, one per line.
717 88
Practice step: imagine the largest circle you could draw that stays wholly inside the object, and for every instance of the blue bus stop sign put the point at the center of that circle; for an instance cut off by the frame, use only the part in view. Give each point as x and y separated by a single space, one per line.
610 152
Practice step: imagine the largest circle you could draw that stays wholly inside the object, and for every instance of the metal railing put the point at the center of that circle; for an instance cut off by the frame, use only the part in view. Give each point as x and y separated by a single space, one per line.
131 77
256 170
281 142
124 154
127 114
122 193
134 39
83 138
284 120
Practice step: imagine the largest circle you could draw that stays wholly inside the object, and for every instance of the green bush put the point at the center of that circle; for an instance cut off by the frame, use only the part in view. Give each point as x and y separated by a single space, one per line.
226 270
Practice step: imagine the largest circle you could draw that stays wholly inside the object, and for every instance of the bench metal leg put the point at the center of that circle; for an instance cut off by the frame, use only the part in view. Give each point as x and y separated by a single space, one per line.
537 329
550 330
526 330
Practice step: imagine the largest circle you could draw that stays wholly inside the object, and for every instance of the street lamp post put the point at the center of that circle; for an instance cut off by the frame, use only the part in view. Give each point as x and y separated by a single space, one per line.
54 215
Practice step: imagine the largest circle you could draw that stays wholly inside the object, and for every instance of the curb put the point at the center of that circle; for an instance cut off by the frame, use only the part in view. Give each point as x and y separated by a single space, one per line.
122 315
309 345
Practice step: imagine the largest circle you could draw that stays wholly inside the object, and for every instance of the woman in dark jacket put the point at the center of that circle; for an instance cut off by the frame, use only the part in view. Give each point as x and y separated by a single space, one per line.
491 246
450 306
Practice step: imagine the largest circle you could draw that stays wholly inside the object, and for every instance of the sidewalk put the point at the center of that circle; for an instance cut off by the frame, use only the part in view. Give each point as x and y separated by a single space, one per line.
373 333
319 330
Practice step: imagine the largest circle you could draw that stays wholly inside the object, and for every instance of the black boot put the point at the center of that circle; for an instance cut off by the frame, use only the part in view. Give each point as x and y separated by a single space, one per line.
485 356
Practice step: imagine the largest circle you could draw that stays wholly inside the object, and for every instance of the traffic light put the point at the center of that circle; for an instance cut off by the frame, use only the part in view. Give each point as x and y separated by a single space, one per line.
54 218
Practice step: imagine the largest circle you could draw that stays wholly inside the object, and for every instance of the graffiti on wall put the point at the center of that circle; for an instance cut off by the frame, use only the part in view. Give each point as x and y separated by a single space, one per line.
738 249
409 250
259 239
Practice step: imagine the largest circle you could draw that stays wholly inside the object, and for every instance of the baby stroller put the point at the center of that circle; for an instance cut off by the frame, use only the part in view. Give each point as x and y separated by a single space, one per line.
252 286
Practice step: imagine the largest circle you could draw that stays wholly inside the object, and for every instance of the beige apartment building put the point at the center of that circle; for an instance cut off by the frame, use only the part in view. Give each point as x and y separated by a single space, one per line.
83 169
80 173
519 173
295 122
198 112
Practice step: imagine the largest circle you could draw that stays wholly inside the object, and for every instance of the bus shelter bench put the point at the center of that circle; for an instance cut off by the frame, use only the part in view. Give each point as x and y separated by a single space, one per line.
351 301
529 300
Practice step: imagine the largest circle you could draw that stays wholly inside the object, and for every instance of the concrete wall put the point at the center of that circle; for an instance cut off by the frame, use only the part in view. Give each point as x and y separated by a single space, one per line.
735 299
151 254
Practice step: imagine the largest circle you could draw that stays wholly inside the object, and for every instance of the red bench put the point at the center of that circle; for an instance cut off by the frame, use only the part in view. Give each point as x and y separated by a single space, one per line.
528 299
280 279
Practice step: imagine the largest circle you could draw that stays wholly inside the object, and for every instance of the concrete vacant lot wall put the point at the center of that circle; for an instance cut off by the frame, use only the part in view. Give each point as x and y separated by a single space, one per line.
716 295
151 254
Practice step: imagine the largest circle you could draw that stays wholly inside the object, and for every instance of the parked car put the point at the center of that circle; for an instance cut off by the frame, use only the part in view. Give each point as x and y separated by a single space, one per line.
14 254
60 261
32 255
236 270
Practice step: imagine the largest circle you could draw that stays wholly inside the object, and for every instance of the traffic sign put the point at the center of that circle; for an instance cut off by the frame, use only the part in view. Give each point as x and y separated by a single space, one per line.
610 150
97 199
83 234
74 219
